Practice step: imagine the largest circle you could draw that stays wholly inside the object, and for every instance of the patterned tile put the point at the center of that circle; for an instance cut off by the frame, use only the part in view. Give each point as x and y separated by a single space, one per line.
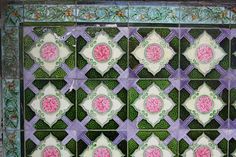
104 49
118 79
50 142
46 52
196 39
203 143
14 15
153 143
213 113
46 103
147 47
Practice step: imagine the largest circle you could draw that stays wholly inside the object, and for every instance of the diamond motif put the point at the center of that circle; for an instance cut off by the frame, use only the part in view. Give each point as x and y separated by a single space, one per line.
49 52
204 104
102 53
49 104
153 104
203 146
51 147
204 53
102 147
102 104
153 145
153 52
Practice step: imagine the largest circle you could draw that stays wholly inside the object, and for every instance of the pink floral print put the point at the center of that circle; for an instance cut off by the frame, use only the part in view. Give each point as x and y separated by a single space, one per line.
102 52
51 151
204 54
102 152
153 104
203 151
154 53
152 151
102 104
49 52
204 104
50 104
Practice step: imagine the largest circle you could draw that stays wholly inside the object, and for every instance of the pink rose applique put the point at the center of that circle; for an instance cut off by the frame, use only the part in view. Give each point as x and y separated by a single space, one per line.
51 151
204 104
49 52
152 151
102 152
204 54
154 53
203 151
50 104
102 53
153 104
102 104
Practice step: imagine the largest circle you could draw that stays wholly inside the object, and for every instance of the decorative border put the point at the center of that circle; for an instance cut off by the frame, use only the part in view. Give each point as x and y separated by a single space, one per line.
10 87
11 117
124 13
10 52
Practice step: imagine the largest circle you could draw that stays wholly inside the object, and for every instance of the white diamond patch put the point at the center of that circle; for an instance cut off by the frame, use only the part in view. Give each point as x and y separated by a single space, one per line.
102 53
152 146
203 147
50 105
204 104
51 146
153 52
153 104
204 53
102 147
102 104
49 52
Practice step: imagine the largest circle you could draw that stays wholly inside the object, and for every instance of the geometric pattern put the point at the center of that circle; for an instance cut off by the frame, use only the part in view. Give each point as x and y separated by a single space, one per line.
78 80
76 50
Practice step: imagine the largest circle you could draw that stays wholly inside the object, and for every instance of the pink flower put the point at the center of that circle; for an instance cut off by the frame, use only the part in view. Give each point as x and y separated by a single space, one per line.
102 152
51 151
102 104
204 104
152 151
50 104
49 52
102 53
204 53
154 53
203 151
154 104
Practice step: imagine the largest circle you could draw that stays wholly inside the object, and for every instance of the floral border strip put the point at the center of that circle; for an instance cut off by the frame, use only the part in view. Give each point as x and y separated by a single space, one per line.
11 117
10 89
13 15
10 52
93 13
118 14
205 15
156 14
